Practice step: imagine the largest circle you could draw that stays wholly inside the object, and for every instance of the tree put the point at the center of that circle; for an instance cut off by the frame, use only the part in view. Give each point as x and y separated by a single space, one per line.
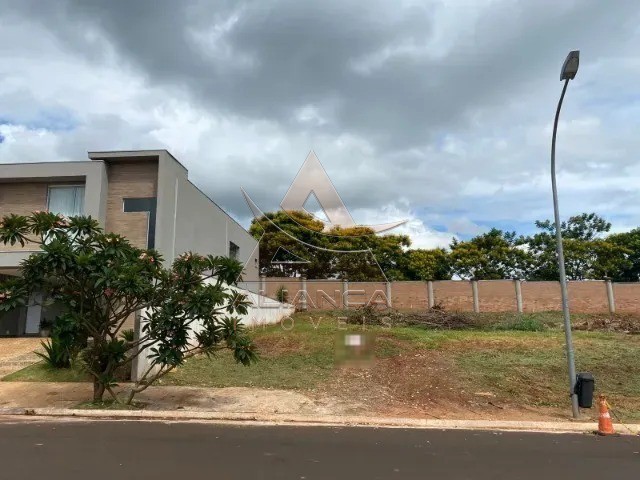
609 259
586 227
490 256
497 254
587 254
298 233
101 280
630 271
425 264
279 230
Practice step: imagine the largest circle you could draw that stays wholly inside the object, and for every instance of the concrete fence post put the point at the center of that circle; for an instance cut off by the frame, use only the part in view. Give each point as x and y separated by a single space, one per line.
430 298
474 291
388 294
263 285
611 299
518 284
303 297
345 294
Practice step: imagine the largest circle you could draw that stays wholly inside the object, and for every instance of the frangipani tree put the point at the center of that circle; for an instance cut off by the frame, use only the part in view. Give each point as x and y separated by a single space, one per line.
101 280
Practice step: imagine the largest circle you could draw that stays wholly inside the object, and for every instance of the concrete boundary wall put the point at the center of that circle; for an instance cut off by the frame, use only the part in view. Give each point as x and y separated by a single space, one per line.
600 296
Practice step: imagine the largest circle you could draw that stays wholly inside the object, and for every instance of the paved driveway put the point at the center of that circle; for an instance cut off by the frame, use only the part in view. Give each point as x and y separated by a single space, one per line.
17 353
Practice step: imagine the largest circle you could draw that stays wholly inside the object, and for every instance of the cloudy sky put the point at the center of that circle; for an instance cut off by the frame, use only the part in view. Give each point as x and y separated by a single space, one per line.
436 111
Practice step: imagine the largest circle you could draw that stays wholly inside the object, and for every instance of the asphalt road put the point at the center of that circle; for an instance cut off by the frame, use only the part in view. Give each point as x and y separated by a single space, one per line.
155 450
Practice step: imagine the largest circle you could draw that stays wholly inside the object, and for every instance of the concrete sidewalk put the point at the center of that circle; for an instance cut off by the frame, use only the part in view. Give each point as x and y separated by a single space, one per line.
29 400
39 414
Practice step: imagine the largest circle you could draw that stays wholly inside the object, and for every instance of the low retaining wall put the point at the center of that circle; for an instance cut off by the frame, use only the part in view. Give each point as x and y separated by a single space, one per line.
263 310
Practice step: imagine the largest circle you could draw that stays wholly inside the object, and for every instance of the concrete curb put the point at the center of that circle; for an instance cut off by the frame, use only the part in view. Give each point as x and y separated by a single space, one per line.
311 420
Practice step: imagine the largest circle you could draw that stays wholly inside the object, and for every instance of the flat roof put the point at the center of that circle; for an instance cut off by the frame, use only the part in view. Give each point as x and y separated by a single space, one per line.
45 163
123 155
48 171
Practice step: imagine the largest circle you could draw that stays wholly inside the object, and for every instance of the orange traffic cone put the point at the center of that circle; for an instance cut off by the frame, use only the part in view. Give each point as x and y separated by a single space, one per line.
605 426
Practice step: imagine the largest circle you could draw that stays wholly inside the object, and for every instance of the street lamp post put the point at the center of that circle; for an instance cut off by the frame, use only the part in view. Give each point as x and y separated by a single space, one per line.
569 70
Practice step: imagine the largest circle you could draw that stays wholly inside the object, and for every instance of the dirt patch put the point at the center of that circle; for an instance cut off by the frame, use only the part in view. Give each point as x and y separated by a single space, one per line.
43 394
232 399
419 385
618 323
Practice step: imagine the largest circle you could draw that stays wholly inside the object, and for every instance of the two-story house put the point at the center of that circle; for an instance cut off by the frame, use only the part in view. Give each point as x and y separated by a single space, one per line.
144 195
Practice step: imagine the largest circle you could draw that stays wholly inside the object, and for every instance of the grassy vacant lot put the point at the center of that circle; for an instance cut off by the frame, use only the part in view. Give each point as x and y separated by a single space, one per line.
496 363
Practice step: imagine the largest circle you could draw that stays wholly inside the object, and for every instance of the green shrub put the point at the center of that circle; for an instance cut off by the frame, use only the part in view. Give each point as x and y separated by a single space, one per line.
127 335
66 341
523 324
282 294
56 353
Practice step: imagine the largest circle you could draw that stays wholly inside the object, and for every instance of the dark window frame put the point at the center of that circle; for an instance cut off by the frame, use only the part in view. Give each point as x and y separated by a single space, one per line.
234 250
147 205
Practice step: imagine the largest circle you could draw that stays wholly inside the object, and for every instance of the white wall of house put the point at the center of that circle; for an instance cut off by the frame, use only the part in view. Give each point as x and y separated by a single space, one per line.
188 220
263 311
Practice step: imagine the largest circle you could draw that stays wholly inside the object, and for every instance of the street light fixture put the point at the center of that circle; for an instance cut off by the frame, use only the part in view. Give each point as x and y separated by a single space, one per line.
570 66
569 70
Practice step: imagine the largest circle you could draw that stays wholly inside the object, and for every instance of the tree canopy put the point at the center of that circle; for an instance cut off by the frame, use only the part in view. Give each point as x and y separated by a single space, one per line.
590 253
354 253
490 256
629 271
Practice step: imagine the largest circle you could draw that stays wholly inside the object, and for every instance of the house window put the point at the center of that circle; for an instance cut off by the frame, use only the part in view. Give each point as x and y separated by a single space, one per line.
66 200
147 205
234 251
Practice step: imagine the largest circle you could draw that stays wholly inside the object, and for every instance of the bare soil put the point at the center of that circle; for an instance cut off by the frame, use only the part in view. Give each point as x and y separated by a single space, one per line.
420 385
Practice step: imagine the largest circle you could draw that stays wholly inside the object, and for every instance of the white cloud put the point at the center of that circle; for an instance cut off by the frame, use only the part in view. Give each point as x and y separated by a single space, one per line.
26 145
422 236
464 226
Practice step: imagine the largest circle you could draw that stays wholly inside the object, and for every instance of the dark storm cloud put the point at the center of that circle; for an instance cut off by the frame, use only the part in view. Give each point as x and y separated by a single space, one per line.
436 107
306 53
